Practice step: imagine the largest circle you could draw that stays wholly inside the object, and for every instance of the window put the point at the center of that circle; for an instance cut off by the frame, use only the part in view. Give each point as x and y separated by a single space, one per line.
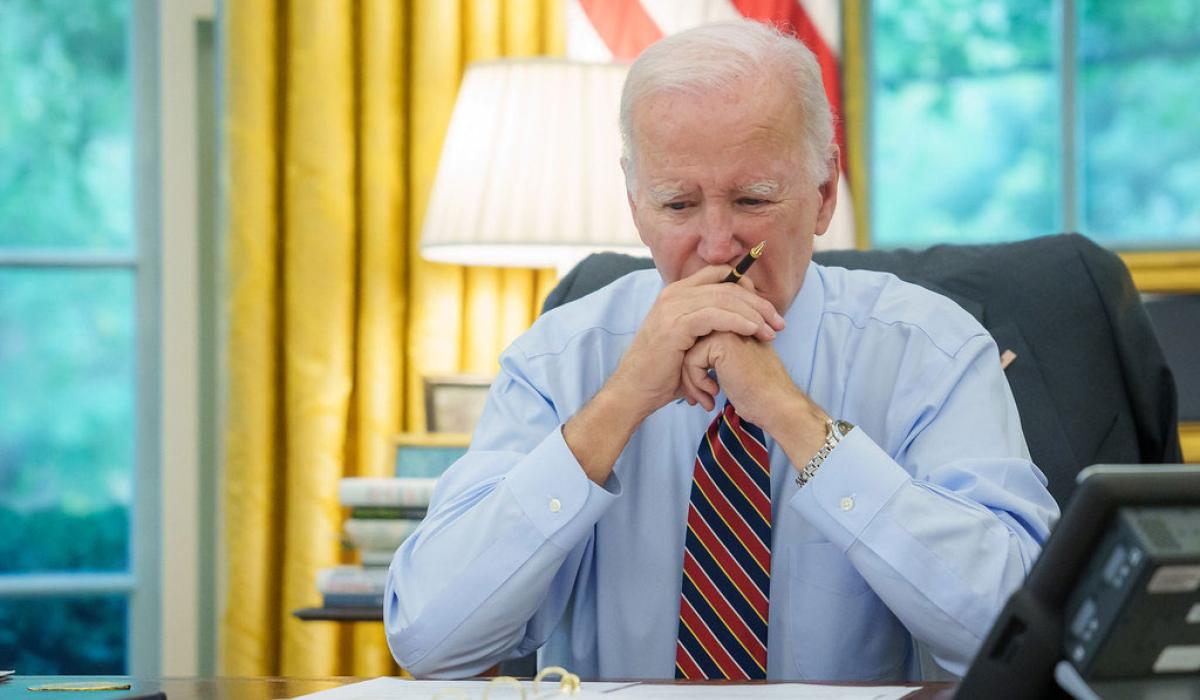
1000 120
73 324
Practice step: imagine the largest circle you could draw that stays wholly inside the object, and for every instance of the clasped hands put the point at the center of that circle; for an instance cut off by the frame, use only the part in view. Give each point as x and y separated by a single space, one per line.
699 323
696 324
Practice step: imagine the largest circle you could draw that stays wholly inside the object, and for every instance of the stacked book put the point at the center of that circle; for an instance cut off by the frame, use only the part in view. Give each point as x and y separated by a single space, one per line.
383 513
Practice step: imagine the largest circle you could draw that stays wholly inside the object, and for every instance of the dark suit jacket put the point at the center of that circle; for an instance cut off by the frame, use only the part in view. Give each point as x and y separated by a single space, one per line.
1090 381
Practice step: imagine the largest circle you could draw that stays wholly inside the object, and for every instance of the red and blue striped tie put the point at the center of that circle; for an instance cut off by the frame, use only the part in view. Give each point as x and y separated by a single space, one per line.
727 556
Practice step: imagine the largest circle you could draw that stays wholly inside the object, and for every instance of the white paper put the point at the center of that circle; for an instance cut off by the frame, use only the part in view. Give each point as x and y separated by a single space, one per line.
401 689
723 691
388 688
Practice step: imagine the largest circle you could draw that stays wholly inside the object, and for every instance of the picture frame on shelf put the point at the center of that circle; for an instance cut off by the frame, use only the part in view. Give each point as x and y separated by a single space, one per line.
454 402
428 454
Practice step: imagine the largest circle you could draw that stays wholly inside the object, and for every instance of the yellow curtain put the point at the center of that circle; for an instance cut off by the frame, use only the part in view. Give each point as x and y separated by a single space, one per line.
334 114
854 96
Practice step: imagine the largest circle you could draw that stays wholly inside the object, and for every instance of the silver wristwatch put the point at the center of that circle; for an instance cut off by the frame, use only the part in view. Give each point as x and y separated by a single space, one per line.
835 430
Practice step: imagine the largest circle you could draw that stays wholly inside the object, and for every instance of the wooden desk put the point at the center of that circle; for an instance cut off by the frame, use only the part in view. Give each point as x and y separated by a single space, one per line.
175 688
339 614
263 688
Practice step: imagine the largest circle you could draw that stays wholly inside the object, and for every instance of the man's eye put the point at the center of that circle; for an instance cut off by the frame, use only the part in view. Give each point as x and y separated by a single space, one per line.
677 206
751 202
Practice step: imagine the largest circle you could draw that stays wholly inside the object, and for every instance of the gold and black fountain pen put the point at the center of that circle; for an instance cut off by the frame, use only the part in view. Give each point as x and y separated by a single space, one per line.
744 264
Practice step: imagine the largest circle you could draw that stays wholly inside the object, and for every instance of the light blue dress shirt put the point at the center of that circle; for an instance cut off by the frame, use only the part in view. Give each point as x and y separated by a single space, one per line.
918 525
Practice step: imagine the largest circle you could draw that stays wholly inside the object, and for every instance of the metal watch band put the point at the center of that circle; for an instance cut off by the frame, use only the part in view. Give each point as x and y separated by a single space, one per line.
834 432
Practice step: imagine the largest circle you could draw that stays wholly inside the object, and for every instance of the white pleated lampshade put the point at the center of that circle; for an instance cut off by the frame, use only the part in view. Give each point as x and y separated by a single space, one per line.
530 170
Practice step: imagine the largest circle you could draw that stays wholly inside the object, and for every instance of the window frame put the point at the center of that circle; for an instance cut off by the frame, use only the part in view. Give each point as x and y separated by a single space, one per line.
140 584
191 337
1153 271
145 603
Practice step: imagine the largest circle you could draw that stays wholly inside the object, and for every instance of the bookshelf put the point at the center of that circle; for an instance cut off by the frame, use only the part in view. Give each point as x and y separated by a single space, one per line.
339 614
419 455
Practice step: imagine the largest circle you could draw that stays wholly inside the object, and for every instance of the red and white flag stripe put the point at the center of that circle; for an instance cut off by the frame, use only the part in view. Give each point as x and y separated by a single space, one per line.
608 30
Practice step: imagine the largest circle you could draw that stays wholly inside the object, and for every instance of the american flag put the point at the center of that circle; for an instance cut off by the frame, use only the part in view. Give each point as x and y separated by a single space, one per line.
618 30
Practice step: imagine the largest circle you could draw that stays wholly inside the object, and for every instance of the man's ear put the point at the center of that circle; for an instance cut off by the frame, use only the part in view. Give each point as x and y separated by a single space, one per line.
828 190
626 168
630 186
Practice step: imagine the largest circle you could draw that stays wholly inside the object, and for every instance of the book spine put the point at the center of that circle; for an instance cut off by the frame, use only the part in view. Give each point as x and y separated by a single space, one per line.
398 492
376 557
387 513
378 534
351 579
353 600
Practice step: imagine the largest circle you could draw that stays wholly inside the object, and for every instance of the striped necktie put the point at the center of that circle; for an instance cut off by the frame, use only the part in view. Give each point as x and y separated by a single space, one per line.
727 556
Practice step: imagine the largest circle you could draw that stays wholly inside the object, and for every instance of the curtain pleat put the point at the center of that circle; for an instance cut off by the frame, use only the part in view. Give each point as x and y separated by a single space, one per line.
319 251
334 115
855 77
379 364
251 545
435 291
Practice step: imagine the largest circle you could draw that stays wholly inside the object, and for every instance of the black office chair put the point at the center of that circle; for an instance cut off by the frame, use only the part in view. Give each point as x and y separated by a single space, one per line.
1090 380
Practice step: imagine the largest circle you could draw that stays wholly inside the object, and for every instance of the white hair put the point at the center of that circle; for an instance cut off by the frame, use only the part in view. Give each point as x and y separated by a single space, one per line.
719 56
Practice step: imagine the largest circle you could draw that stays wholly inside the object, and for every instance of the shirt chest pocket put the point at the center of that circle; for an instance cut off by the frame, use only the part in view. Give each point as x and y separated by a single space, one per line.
839 628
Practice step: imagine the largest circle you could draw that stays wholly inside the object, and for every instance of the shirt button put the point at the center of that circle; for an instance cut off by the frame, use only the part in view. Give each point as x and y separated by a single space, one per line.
847 504
555 505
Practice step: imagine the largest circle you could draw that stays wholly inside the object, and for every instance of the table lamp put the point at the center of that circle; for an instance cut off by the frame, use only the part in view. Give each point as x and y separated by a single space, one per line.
530 170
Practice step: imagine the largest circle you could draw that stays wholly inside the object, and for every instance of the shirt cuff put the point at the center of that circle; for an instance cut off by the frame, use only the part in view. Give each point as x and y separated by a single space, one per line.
555 493
854 483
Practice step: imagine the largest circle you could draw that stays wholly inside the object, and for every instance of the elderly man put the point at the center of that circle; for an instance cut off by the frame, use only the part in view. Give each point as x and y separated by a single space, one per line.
791 477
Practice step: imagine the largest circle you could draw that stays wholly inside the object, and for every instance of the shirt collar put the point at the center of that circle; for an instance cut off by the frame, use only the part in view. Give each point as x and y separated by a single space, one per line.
796 344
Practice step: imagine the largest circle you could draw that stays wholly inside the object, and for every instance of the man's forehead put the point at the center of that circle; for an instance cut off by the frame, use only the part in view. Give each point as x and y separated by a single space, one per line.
747 103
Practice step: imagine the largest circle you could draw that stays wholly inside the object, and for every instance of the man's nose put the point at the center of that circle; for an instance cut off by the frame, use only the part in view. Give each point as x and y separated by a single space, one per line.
717 241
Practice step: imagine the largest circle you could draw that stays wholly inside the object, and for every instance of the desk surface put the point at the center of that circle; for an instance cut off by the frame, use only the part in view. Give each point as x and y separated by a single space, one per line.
175 688
257 688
